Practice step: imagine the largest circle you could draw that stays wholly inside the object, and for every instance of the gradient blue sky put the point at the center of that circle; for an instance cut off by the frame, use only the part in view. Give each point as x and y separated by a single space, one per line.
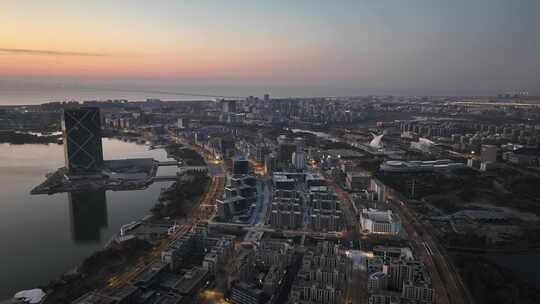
354 47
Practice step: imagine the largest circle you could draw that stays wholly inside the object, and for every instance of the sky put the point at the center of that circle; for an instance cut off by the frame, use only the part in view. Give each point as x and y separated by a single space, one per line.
236 47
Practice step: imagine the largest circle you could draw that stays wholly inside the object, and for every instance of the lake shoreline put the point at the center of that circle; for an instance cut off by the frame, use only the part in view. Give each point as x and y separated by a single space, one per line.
76 235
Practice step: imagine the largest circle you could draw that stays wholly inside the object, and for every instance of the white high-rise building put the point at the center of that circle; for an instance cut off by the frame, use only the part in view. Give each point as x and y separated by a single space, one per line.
182 123
299 160
489 153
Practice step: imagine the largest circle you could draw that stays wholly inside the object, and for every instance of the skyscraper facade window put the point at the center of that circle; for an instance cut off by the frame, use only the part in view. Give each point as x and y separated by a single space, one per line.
81 129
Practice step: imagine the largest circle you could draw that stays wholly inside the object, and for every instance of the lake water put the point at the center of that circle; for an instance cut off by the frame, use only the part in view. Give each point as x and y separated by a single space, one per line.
43 236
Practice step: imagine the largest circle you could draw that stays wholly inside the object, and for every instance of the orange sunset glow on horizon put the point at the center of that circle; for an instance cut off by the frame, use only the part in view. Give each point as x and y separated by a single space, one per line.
360 46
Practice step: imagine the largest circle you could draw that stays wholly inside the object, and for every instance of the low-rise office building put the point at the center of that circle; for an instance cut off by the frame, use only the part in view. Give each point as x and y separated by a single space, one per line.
380 222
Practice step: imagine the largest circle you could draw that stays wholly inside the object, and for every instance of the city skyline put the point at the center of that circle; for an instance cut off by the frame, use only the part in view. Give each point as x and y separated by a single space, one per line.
270 152
244 47
272 200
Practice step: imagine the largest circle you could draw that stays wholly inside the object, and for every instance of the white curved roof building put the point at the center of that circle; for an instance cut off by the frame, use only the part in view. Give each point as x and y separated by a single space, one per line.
376 142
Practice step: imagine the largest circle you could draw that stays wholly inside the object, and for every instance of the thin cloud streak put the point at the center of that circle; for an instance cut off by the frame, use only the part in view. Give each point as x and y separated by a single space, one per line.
50 53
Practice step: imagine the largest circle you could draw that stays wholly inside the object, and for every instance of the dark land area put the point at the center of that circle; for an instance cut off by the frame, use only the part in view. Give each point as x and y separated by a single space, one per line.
90 274
18 138
490 283
177 200
185 155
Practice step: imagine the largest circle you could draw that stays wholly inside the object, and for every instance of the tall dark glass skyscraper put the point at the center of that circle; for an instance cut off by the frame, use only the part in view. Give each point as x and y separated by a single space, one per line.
82 140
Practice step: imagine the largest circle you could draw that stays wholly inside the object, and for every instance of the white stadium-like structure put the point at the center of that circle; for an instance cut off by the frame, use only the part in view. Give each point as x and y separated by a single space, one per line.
420 166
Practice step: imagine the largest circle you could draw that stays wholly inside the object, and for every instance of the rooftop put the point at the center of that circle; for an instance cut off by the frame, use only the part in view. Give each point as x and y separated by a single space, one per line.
124 291
378 215
190 280
94 298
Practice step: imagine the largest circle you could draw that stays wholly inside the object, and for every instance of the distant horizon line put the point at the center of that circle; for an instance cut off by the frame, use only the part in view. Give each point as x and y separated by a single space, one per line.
217 97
